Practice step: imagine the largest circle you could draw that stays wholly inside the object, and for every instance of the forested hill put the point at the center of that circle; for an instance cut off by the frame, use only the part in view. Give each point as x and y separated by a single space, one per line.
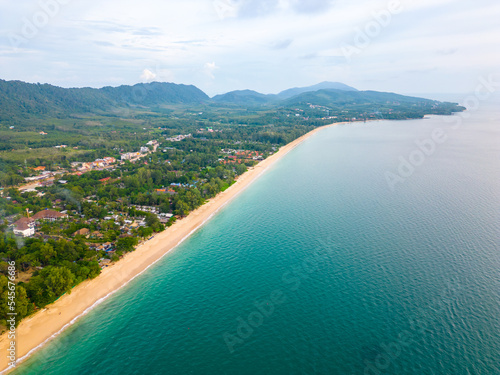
330 97
155 93
24 100
22 103
320 86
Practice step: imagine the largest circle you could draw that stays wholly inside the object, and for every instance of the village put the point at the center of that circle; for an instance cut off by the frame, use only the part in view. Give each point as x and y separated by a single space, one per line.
64 219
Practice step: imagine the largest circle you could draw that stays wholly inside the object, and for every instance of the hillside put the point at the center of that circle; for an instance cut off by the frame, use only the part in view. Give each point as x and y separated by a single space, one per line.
20 100
371 101
244 97
155 93
31 104
320 86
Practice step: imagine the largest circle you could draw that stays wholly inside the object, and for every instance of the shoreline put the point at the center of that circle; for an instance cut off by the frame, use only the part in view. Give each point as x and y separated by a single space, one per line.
35 331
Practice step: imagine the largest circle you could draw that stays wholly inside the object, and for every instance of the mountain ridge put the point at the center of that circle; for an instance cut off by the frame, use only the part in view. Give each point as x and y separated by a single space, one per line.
21 101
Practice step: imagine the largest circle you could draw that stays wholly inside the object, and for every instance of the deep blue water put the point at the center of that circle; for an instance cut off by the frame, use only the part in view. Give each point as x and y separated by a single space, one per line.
321 268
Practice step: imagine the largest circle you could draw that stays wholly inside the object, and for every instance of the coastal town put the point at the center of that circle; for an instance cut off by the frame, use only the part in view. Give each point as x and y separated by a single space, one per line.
108 207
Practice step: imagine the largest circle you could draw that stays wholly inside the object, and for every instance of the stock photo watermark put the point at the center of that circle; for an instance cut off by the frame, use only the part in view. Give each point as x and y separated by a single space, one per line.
225 8
364 36
418 325
292 280
427 147
31 26
12 321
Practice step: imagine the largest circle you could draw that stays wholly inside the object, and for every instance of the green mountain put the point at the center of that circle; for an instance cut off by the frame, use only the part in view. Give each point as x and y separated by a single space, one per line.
22 103
339 97
244 97
371 102
254 98
155 94
320 86
24 100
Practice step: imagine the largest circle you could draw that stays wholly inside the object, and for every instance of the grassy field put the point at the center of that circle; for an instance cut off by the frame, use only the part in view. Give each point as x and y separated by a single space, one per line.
45 153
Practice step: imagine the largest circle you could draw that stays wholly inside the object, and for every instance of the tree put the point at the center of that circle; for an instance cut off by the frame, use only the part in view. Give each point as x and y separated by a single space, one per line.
126 244
46 253
152 220
182 208
23 305
49 285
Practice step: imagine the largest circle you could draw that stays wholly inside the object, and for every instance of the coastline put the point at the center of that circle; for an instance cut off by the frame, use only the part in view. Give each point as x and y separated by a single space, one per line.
35 331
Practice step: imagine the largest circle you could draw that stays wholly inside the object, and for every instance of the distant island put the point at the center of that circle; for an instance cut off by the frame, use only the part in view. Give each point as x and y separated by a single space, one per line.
88 174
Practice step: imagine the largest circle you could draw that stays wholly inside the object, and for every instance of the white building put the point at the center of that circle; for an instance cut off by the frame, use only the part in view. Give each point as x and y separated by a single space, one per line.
24 227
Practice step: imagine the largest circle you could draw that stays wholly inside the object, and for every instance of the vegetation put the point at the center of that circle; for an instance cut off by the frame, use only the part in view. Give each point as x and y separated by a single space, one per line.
111 207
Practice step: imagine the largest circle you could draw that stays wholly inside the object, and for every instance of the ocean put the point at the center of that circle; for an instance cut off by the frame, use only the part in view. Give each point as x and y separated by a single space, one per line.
371 248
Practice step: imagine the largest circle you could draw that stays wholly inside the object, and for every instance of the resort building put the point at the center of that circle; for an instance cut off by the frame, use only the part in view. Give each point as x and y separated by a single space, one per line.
24 227
49 215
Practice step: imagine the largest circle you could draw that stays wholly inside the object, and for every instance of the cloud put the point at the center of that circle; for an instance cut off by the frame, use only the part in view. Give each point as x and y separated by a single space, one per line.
103 43
449 51
267 45
257 8
311 6
282 44
209 69
148 75
147 31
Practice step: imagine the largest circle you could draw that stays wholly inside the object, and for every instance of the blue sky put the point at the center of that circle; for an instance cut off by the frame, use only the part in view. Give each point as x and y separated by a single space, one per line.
405 46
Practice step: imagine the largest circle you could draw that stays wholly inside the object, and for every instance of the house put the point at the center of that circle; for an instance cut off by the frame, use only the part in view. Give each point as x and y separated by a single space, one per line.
97 234
166 191
39 168
49 215
109 160
164 218
47 183
105 179
105 247
82 232
24 227
104 262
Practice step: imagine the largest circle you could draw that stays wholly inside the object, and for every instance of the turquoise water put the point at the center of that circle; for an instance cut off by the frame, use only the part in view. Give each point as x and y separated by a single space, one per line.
321 268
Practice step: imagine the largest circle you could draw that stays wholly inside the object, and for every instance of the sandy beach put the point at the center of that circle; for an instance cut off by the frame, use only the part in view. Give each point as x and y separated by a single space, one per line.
35 331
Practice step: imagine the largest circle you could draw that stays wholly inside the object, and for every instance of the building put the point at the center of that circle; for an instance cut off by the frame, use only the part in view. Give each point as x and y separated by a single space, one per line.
166 191
164 218
179 138
109 160
144 150
82 232
131 155
49 215
24 227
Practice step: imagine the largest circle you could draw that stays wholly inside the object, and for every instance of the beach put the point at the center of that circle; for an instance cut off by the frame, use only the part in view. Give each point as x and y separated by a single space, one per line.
36 330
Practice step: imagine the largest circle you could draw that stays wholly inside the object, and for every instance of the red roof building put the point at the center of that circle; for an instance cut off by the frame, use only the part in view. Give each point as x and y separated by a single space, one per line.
50 215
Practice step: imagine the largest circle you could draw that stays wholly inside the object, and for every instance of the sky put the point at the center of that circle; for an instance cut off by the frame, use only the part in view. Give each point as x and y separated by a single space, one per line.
403 46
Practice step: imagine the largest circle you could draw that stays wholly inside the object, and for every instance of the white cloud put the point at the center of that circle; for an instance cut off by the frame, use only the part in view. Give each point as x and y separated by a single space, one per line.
261 43
148 75
209 69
